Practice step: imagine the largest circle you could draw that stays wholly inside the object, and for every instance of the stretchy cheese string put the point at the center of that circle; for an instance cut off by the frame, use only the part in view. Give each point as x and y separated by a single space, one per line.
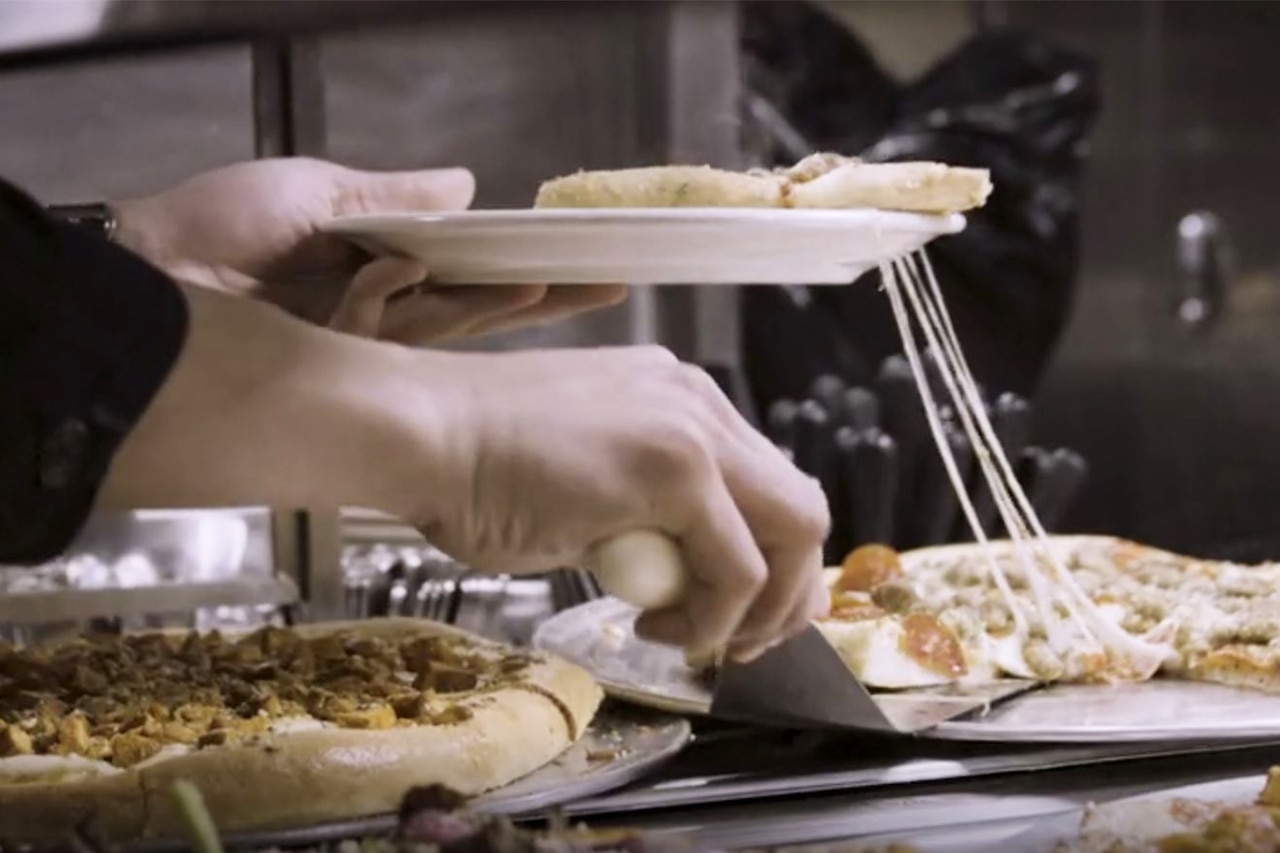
1028 535
1142 658
984 450
903 320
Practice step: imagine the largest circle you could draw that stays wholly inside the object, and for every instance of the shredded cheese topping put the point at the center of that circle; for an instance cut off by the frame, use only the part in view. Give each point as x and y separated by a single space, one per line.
1059 605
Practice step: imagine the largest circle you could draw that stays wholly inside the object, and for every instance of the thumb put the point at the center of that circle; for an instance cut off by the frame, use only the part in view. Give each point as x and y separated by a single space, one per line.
388 192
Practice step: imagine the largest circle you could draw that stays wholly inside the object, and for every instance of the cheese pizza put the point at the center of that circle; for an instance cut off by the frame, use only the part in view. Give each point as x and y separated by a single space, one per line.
825 180
934 617
279 727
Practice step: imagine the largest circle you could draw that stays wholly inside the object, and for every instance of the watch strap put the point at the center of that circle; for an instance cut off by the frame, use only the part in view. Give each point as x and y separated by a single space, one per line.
97 217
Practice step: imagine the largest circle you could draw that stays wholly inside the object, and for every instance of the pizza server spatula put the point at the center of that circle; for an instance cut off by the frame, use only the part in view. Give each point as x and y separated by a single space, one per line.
800 683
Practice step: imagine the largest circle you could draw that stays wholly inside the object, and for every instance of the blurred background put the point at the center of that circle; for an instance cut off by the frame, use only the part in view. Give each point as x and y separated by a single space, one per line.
1119 297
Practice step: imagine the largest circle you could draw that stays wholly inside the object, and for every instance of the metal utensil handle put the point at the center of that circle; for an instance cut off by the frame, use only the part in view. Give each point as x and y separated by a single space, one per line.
644 568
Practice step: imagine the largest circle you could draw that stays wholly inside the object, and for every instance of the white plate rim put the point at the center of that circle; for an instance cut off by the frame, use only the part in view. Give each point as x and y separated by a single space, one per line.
889 220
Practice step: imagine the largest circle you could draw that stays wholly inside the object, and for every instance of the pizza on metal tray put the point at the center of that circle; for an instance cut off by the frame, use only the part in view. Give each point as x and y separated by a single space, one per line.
933 617
276 728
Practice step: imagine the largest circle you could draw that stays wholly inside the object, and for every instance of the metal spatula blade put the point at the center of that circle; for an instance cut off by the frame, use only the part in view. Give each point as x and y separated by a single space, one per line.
801 682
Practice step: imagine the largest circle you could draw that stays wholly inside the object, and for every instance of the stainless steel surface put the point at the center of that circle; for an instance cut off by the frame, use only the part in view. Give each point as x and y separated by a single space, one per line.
571 587
38 31
621 746
941 811
408 579
799 682
1161 710
288 98
75 605
741 765
108 129
153 563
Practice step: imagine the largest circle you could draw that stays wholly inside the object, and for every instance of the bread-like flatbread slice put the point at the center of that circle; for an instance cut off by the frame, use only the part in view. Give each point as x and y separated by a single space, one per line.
915 187
663 186
306 774
819 181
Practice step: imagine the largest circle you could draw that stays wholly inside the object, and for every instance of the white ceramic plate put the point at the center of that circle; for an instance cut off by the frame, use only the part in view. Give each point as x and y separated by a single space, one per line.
648 246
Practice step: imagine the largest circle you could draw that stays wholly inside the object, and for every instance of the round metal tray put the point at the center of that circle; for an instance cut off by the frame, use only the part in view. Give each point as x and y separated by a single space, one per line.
598 636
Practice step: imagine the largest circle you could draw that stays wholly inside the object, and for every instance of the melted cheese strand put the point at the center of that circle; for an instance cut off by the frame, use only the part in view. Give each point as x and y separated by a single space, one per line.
1042 590
1143 657
987 450
891 286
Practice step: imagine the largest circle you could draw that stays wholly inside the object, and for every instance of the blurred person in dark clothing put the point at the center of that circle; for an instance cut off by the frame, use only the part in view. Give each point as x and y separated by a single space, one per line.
999 100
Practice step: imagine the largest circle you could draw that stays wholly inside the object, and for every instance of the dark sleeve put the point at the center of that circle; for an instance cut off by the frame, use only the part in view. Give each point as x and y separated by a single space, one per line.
88 334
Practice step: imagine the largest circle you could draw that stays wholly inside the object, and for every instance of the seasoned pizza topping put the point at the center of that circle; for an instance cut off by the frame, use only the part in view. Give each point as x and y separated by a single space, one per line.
894 597
932 645
853 607
868 567
124 699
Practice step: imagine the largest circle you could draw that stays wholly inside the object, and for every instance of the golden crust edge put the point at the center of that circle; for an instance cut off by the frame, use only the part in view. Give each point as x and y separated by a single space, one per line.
820 181
515 732
662 187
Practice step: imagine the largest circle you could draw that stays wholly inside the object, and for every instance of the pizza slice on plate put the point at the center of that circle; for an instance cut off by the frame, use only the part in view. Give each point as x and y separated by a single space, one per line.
820 181
276 728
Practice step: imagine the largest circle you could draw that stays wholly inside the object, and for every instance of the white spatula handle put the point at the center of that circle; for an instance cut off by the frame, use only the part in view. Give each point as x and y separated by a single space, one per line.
642 568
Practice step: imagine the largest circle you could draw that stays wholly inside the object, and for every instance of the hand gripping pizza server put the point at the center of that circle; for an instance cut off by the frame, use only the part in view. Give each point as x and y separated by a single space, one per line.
800 683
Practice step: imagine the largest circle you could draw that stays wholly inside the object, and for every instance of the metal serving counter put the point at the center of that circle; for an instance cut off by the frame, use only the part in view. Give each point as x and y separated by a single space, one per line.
736 788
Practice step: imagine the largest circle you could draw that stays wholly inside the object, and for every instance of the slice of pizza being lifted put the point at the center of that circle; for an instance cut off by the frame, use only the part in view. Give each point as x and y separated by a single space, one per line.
820 181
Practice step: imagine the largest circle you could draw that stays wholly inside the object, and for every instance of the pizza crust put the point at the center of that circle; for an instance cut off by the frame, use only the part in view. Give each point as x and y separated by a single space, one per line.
663 186
915 187
308 776
820 181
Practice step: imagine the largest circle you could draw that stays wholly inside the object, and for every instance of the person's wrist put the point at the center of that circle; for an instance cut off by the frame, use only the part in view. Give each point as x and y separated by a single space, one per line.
423 449
265 409
137 229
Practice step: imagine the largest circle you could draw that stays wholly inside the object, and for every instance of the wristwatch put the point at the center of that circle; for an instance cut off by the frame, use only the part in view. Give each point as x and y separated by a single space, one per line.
97 217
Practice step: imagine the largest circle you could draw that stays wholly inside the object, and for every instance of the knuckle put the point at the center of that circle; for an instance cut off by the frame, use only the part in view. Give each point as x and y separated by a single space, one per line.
751 578
697 380
812 515
673 451
656 355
